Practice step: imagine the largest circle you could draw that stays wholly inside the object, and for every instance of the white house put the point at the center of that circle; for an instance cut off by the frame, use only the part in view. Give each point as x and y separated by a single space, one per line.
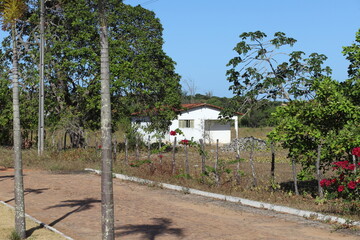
196 121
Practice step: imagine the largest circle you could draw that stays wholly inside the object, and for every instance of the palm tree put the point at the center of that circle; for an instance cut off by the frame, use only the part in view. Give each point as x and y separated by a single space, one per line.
107 201
11 12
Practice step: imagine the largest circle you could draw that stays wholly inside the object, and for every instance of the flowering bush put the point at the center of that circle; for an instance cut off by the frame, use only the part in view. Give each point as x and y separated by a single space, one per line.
347 183
356 151
172 133
176 132
184 142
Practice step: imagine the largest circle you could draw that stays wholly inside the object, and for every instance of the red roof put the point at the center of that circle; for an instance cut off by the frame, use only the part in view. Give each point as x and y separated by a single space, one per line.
188 106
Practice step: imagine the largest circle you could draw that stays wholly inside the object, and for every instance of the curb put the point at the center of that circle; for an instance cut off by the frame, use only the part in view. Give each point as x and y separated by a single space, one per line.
243 201
40 223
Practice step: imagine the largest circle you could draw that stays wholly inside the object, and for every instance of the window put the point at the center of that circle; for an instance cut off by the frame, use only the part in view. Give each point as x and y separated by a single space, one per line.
186 123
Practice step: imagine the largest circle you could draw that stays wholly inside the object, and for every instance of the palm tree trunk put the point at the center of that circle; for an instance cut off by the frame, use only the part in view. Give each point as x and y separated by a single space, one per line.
107 199
19 185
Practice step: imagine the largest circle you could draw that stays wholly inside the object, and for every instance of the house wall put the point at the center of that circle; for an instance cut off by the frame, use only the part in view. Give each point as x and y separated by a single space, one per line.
201 130
200 115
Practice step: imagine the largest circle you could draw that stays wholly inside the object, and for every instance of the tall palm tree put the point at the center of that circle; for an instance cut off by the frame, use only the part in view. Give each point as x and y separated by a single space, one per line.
11 12
107 200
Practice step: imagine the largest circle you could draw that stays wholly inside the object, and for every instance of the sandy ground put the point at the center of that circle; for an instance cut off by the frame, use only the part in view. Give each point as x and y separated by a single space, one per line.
71 204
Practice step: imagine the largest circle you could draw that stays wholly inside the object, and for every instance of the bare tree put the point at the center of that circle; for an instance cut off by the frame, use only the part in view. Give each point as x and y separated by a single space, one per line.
107 198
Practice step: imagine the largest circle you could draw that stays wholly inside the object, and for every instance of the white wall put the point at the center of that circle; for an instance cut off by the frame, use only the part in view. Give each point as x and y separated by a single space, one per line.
200 115
219 131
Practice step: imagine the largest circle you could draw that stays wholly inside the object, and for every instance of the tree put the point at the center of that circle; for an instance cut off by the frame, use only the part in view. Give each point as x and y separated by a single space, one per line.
261 71
320 129
11 12
143 76
107 199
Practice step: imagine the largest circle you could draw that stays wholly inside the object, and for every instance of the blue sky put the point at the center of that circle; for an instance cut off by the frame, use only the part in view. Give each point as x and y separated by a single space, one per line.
200 34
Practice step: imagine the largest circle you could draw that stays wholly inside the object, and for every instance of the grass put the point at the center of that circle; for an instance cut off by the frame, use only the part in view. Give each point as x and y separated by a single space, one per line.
279 192
7 228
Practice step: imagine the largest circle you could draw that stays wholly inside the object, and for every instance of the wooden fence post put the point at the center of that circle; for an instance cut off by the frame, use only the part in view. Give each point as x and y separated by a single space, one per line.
237 174
114 150
149 148
294 175
126 149
272 162
137 153
173 166
318 172
187 168
217 177
252 161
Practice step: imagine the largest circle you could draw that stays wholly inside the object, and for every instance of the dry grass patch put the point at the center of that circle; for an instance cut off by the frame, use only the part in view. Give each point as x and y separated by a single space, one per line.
37 232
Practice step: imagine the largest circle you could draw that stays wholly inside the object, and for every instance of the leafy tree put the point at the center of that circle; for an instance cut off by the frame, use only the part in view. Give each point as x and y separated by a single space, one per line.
143 76
261 71
11 12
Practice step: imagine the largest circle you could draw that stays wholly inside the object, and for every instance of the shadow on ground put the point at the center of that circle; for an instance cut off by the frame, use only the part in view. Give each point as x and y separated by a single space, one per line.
79 205
161 226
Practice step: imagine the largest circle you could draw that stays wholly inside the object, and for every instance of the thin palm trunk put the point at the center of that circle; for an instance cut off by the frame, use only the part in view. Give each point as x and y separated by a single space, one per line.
19 185
107 198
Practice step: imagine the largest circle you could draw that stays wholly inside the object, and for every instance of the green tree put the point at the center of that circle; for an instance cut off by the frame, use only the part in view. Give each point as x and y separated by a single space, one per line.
143 76
261 71
11 12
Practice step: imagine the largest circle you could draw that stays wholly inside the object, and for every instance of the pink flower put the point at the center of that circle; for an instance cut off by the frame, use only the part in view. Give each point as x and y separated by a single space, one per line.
172 133
356 151
341 188
351 185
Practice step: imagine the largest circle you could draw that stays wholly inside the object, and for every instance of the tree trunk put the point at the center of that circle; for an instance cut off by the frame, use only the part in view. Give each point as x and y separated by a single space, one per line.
41 83
294 175
107 198
19 185
318 172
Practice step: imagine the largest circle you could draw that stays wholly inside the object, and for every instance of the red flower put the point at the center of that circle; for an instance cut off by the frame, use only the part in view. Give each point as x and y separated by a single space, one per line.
341 188
333 180
172 133
184 141
351 167
351 185
160 156
323 182
99 146
356 151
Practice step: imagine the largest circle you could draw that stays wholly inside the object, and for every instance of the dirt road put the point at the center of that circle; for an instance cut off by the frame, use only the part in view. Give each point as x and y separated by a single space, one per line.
71 204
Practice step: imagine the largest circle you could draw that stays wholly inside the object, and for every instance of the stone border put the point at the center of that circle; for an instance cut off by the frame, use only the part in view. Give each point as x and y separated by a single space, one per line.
40 223
243 201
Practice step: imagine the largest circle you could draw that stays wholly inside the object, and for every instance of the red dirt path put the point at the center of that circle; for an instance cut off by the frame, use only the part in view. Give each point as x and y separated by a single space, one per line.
71 204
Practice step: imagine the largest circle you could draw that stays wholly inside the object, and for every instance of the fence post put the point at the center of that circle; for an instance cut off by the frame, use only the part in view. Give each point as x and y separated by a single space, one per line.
187 168
272 162
137 154
217 163
252 161
114 149
149 148
237 174
173 157
294 175
126 149
318 172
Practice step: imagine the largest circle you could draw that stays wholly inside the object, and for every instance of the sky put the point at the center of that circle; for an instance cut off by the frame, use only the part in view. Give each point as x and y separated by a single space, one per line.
200 35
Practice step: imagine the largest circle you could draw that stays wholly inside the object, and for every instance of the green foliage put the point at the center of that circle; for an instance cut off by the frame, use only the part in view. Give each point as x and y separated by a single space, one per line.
328 119
260 71
14 236
143 77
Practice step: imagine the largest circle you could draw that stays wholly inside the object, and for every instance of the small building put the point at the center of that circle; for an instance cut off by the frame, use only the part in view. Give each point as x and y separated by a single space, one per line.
196 121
